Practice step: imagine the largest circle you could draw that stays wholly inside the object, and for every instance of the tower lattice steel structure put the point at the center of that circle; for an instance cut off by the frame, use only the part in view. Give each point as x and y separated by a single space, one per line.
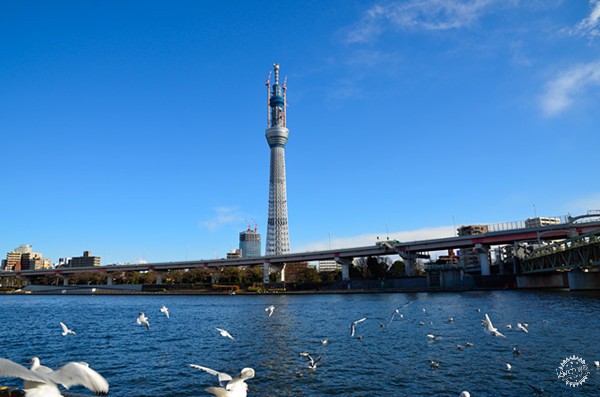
278 240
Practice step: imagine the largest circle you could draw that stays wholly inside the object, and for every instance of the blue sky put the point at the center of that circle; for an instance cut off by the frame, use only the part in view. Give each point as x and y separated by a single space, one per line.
136 129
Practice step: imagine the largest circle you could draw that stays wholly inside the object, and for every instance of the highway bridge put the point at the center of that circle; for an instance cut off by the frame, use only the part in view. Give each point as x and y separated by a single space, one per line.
409 251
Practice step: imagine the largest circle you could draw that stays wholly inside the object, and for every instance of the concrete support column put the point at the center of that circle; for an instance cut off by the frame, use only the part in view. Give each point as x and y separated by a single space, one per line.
282 273
109 280
214 276
484 259
159 278
65 280
266 272
345 262
584 281
409 266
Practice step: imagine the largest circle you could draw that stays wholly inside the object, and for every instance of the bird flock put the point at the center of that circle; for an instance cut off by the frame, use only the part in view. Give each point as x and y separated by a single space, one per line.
41 381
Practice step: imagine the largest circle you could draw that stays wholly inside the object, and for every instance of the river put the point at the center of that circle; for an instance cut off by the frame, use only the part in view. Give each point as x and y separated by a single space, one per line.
380 360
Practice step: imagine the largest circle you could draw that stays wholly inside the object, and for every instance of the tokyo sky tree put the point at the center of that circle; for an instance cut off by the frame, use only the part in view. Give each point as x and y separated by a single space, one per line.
278 240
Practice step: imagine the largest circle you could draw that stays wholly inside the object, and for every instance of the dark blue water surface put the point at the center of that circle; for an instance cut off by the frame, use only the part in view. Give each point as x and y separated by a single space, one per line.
388 361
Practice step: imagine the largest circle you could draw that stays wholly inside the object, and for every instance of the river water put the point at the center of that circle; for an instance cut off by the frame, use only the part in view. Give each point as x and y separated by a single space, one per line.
391 360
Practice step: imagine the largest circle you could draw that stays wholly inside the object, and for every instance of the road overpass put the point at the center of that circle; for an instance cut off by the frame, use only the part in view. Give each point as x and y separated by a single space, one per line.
409 251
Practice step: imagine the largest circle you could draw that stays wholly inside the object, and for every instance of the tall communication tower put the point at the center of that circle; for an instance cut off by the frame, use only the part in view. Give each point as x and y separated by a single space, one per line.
278 240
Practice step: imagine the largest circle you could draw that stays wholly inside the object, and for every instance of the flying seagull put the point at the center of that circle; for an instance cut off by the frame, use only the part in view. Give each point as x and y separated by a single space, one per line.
66 330
164 310
490 327
224 333
143 320
270 310
522 328
353 325
40 381
397 311
312 362
228 386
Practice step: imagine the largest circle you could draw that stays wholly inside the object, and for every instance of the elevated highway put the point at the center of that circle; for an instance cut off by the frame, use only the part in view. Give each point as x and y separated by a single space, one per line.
409 251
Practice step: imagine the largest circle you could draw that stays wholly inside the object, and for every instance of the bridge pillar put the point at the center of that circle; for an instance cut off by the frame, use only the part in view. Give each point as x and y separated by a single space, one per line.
109 280
345 262
65 280
159 278
266 272
409 265
584 281
484 259
282 273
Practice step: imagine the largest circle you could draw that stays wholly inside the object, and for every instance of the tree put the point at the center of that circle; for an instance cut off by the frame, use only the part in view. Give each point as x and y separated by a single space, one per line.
376 268
311 275
397 269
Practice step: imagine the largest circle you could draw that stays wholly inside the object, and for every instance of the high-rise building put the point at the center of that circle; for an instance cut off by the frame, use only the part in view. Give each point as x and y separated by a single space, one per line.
23 258
278 240
250 243
84 261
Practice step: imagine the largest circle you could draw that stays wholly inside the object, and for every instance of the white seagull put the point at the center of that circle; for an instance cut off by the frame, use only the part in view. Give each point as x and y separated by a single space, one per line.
353 325
508 366
164 310
270 310
464 394
66 330
228 386
224 333
522 328
40 381
490 327
143 320
312 362
397 311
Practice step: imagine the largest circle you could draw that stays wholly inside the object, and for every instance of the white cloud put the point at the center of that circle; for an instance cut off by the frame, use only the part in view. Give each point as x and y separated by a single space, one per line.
364 240
590 25
224 216
419 15
568 86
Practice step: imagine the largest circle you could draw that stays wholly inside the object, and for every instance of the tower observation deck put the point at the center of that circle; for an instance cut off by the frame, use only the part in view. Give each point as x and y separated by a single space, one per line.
278 241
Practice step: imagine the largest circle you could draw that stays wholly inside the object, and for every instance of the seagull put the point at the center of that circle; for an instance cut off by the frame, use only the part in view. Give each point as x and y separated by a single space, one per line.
450 319
224 333
270 309
464 394
397 311
325 341
434 364
516 351
143 320
40 381
460 347
353 325
433 337
164 310
66 330
469 344
508 366
312 362
508 326
522 328
597 364
490 327
228 386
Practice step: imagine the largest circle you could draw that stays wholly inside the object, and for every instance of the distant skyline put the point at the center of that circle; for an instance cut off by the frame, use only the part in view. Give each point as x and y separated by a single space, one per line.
136 130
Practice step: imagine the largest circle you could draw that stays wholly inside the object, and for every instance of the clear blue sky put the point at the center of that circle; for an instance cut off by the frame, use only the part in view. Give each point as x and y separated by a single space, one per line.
136 129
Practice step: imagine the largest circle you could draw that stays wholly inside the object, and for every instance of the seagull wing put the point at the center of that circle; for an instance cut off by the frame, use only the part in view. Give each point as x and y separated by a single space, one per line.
217 391
222 376
80 374
360 321
64 328
12 369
